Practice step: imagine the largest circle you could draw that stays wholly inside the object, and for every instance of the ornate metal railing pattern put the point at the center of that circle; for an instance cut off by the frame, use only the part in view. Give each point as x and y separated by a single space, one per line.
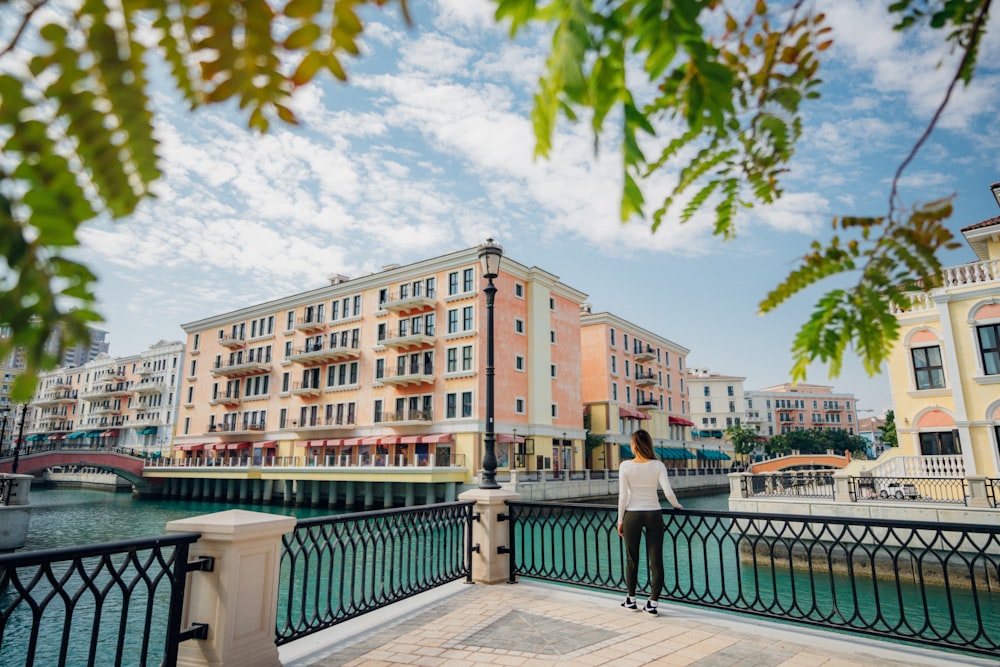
924 489
812 484
116 603
337 568
993 492
927 583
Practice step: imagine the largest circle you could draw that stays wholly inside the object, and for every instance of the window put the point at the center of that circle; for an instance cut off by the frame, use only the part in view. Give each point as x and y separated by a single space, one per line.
467 280
450 408
467 358
383 296
732 406
729 390
519 290
939 443
453 283
430 287
612 337
519 406
708 406
614 365
555 411
190 395
290 324
707 391
451 360
467 401
518 363
614 391
552 303
467 318
377 411
552 370
194 366
552 337
927 367
625 342
453 321
197 337
519 326
989 347
357 306
379 369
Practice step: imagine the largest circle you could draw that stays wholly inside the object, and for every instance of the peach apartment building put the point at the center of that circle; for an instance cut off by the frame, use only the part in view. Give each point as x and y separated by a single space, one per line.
800 407
128 402
945 367
632 378
381 379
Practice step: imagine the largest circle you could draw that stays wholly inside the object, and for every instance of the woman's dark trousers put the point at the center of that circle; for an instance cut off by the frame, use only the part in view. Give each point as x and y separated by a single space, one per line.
633 525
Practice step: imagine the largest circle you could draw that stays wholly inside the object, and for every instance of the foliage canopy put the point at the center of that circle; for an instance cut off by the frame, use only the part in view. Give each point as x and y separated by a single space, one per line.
726 112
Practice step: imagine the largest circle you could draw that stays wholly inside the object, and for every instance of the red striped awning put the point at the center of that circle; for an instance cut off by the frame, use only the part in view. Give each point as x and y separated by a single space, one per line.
410 439
506 437
628 413
335 442
371 440
58 436
311 443
350 442
109 434
680 421
236 445
267 444
436 438
389 440
188 448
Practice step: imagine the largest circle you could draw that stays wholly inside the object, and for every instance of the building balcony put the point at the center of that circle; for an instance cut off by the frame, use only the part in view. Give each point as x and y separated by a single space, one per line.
645 380
240 428
144 370
411 377
645 354
241 369
648 403
409 303
305 389
226 399
56 398
310 324
833 407
321 354
407 417
232 342
408 341
105 410
149 387
321 424
106 391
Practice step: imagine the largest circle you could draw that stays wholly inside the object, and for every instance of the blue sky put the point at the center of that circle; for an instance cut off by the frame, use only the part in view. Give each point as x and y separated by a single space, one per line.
428 149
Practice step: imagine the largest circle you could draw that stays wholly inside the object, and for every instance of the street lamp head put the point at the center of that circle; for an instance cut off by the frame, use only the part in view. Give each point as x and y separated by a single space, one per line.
489 256
995 189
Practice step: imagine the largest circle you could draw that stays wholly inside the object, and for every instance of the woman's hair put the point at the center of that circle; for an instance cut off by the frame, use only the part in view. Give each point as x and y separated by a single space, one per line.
643 444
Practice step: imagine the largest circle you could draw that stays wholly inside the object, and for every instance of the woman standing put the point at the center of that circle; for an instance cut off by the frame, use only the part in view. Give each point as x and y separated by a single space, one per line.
638 511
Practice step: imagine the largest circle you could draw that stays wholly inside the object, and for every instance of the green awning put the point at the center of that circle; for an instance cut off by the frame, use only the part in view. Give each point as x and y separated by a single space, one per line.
712 455
625 451
94 434
149 430
36 436
76 434
673 453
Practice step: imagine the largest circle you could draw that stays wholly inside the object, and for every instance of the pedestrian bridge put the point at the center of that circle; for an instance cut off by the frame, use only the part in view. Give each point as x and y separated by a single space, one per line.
801 462
32 461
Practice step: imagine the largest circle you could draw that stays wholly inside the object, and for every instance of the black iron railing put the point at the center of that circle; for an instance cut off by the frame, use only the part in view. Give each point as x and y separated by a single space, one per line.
812 484
923 489
928 583
993 492
337 568
117 603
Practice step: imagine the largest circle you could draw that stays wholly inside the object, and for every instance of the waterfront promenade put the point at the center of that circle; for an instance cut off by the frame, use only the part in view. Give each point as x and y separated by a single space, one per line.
536 624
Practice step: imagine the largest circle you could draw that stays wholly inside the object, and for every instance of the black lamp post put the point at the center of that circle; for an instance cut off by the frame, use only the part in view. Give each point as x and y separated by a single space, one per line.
995 189
20 436
490 254
3 424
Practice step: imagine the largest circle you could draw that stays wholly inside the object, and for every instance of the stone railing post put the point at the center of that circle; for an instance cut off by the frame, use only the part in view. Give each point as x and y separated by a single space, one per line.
977 491
488 565
841 487
239 598
736 485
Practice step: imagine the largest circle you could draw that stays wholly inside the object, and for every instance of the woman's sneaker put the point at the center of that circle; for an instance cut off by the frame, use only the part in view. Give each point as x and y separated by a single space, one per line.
629 603
650 608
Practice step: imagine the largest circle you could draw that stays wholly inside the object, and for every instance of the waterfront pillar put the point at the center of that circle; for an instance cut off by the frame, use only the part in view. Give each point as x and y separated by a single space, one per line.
230 490
489 566
255 490
369 495
430 498
349 495
841 487
239 598
736 484
449 492
315 493
977 491
196 494
410 495
300 492
386 495
244 490
331 497
289 496
267 490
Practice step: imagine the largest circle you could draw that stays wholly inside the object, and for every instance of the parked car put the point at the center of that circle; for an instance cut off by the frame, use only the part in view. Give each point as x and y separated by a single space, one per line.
899 491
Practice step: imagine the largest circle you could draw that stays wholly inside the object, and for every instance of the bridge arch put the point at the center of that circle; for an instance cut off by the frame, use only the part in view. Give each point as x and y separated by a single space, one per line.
127 467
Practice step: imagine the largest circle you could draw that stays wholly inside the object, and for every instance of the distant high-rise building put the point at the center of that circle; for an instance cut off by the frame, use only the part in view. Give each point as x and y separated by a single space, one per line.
78 355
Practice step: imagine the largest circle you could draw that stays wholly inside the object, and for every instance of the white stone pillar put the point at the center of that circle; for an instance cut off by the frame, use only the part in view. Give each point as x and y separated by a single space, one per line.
239 598
489 566
841 487
977 491
736 485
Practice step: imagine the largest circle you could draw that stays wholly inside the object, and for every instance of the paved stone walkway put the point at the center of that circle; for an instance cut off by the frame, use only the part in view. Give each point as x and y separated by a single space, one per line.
535 625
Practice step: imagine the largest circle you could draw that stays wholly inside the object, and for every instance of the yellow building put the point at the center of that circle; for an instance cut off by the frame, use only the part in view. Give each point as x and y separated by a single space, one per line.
945 367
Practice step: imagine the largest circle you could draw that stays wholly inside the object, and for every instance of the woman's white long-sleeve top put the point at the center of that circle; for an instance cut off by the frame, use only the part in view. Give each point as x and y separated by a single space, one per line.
637 484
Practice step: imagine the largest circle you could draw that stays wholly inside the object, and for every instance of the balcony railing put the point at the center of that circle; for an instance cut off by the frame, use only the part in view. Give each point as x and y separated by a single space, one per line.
236 428
407 376
405 303
646 353
232 342
357 461
322 422
408 416
323 353
974 273
306 389
924 489
309 324
409 339
226 399
642 379
241 368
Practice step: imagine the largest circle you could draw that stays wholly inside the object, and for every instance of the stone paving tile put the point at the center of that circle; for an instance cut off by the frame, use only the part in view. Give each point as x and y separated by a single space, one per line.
530 626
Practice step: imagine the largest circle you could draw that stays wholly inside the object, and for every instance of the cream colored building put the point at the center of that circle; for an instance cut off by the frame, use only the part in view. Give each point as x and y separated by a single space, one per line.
945 368
117 402
800 407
